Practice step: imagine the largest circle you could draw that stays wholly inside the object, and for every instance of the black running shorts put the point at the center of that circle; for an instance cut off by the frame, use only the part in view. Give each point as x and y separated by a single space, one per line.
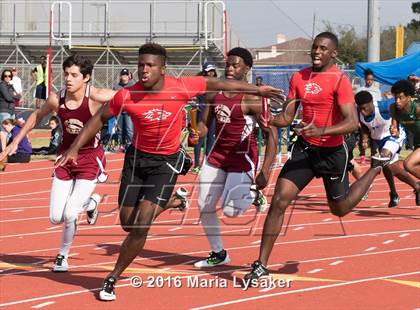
147 177
308 161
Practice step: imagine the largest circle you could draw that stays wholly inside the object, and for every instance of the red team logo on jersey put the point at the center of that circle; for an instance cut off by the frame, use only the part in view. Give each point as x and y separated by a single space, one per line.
156 115
312 88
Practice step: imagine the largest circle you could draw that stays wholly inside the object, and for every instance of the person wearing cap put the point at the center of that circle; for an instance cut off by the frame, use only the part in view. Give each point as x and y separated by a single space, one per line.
209 69
124 124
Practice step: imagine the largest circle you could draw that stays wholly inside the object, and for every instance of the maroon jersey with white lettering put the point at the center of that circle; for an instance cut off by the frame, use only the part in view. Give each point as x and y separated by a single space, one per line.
235 149
73 121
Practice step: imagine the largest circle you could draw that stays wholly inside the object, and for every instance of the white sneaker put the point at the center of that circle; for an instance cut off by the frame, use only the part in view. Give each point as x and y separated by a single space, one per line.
214 259
60 264
92 215
181 194
108 290
260 201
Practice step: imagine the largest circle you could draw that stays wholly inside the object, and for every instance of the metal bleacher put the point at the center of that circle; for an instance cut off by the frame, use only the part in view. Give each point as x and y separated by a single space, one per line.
110 32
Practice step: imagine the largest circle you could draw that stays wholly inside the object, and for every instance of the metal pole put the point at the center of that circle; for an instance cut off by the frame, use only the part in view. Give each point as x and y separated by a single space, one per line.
374 32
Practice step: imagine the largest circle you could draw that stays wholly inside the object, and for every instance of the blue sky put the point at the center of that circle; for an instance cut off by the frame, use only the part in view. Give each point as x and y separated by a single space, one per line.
258 21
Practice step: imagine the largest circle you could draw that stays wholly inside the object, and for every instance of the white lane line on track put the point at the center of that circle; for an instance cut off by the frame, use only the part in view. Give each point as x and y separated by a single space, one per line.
298 228
327 220
175 229
206 274
24 219
230 249
338 262
404 235
315 270
51 167
54 227
18 210
256 242
43 304
199 226
388 241
308 289
370 249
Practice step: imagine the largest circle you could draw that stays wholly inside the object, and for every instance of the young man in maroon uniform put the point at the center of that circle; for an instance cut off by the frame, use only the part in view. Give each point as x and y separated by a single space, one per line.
230 168
329 113
72 185
155 104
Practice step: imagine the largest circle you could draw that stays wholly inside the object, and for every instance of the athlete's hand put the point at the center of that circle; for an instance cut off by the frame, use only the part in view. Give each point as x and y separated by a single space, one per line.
69 156
310 130
9 150
262 179
275 94
193 137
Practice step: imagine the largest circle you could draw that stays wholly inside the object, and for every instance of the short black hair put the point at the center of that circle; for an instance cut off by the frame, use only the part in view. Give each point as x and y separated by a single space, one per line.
243 53
363 97
329 35
54 119
368 72
153 49
403 86
84 64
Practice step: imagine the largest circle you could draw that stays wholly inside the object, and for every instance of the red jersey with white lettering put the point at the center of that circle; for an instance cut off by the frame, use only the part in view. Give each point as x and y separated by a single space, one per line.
320 94
73 121
158 117
235 149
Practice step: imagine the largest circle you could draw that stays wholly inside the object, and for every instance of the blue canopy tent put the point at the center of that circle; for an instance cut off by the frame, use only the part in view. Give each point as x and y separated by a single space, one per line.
390 71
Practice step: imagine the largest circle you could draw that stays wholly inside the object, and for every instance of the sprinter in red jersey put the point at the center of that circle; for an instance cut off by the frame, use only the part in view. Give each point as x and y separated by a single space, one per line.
230 169
151 165
72 185
329 113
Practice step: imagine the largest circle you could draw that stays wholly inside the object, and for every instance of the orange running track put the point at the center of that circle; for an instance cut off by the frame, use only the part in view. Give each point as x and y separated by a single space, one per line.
372 261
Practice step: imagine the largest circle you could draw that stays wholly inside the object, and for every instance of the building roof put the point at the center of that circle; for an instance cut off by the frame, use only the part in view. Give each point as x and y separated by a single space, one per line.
294 51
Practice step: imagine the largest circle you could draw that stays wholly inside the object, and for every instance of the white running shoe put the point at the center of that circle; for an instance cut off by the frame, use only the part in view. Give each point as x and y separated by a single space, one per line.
214 259
60 264
181 194
108 290
260 201
92 214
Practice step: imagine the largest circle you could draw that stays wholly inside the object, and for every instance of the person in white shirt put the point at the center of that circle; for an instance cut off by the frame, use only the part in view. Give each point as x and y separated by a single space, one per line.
17 84
371 86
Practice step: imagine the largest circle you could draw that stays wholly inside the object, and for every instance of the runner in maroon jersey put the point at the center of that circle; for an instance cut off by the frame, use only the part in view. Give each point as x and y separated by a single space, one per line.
329 113
152 163
230 168
72 185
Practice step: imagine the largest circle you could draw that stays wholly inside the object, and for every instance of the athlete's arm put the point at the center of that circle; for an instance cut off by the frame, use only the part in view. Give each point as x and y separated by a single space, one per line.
214 84
207 115
48 107
347 125
102 95
286 117
394 129
88 132
252 105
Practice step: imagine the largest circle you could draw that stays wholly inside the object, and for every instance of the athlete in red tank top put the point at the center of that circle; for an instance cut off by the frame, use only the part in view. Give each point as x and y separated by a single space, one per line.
73 183
235 149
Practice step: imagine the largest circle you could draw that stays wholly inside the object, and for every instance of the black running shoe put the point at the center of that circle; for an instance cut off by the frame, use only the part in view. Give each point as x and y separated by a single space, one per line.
258 271
394 200
107 293
214 259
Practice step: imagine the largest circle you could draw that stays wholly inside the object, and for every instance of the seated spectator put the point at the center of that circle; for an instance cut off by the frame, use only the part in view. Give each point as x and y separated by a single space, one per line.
55 140
24 150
